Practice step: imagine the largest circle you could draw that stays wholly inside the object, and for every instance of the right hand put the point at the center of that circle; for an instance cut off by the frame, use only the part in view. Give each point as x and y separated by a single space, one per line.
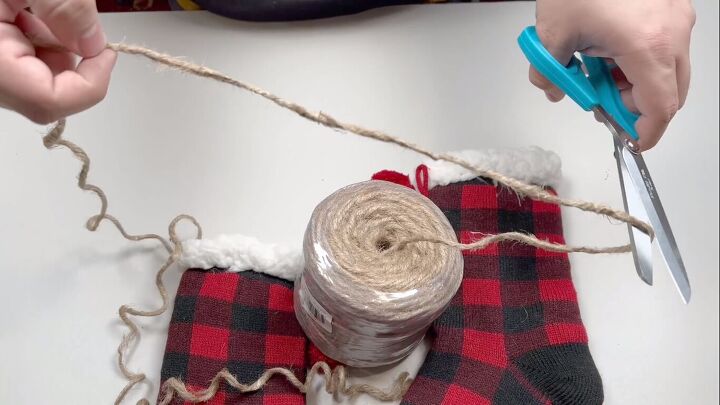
45 83
649 40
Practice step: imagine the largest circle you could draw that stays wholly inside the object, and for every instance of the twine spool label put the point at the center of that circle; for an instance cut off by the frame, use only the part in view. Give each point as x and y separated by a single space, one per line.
313 308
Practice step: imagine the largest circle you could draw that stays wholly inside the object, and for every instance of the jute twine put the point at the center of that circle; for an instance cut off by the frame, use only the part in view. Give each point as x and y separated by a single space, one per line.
335 380
361 300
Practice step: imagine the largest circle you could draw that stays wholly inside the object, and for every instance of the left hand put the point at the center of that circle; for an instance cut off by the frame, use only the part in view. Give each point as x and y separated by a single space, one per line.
45 83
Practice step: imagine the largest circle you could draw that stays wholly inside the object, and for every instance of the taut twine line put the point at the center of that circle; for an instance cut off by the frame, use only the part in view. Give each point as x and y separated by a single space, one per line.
532 191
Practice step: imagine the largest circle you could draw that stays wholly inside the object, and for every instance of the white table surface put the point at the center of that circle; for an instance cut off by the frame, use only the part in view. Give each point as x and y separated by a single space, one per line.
448 77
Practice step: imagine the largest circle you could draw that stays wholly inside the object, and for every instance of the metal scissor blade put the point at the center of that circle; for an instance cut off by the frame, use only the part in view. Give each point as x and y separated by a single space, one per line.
640 177
645 188
640 241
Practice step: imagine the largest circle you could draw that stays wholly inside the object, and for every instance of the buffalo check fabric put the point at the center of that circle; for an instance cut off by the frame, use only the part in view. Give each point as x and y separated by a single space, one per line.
513 333
240 321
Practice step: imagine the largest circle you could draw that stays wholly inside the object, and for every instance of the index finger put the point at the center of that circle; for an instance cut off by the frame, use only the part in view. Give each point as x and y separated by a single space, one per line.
74 22
654 92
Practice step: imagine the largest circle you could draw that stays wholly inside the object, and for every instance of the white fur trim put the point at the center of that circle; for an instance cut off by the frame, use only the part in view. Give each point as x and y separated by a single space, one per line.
531 165
240 253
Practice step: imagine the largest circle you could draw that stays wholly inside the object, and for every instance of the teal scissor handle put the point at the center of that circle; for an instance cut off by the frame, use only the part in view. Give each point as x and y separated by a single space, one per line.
597 89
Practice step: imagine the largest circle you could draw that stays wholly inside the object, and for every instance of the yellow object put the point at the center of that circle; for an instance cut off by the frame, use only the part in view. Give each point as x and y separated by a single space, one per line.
188 5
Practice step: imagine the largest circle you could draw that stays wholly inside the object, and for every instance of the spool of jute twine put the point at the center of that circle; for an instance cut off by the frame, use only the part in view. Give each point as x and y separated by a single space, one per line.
361 298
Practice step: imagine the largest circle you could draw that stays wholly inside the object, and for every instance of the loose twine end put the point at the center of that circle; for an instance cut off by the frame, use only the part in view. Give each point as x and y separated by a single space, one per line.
335 384
335 380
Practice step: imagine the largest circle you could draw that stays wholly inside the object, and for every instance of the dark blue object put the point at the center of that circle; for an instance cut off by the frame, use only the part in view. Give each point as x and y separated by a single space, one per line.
293 10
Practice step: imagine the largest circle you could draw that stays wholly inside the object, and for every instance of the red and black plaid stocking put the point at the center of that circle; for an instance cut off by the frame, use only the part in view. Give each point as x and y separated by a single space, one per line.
513 333
240 321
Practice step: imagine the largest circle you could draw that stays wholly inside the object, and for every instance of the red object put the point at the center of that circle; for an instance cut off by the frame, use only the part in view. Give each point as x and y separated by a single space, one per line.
482 292
393 177
422 179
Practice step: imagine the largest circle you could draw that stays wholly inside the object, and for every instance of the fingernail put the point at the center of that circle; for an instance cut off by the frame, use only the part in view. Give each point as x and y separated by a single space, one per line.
554 95
92 42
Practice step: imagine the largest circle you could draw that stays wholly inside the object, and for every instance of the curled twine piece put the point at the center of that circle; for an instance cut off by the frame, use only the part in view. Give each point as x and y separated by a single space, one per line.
173 247
335 383
336 380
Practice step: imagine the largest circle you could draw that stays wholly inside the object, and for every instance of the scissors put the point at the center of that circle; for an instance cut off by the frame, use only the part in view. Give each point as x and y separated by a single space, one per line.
588 81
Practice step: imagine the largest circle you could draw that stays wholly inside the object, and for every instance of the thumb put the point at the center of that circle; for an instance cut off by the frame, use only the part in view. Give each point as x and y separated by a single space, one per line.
75 23
561 47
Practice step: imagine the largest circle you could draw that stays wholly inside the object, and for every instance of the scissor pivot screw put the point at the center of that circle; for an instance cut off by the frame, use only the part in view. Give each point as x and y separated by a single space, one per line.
632 146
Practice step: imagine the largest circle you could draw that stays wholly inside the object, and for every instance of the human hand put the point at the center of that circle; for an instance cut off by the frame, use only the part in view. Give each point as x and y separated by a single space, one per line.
648 40
45 83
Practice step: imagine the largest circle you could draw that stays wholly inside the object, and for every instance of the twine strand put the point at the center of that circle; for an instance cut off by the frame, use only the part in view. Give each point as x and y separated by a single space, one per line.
524 238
